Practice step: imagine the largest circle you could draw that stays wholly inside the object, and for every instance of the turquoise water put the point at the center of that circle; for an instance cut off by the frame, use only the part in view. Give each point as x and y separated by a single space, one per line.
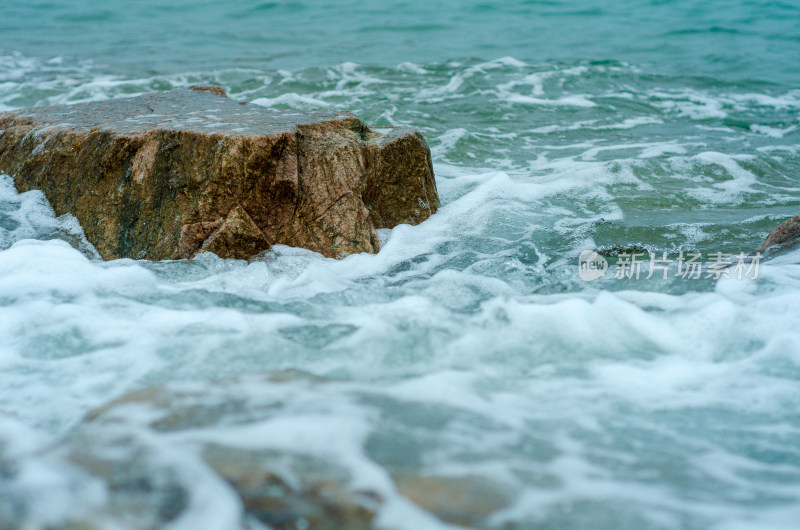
741 41
469 347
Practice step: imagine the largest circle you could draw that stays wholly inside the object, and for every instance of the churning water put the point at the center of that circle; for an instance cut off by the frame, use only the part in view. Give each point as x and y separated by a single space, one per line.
469 347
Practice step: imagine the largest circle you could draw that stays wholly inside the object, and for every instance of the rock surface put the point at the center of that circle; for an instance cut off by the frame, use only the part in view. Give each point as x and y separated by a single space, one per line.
466 501
786 234
257 452
170 174
125 445
287 492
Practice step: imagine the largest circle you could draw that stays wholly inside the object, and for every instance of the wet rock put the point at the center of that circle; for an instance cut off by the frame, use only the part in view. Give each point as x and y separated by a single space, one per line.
787 234
167 175
277 489
154 449
292 492
143 489
460 500
193 407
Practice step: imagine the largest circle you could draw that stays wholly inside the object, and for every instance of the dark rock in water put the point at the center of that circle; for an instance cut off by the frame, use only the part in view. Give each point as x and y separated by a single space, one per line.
167 175
460 500
124 444
290 492
785 235
160 452
141 492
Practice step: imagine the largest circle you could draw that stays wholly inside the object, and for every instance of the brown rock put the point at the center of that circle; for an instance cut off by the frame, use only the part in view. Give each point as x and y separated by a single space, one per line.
167 175
464 501
281 489
214 89
787 232
307 493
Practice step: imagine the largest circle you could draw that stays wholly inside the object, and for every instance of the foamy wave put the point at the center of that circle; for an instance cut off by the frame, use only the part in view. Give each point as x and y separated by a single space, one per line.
468 349
293 100
730 190
29 215
773 132
596 125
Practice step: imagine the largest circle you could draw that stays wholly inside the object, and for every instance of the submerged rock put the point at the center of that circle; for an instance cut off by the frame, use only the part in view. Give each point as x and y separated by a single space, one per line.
287 491
125 445
170 174
466 501
785 235
249 453
143 489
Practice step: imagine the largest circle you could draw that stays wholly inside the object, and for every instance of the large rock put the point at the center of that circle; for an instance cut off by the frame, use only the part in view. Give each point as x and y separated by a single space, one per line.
170 174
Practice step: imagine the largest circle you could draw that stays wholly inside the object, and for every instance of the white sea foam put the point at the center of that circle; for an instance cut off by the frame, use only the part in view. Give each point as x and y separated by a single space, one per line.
774 132
536 82
71 493
692 104
29 215
293 100
469 342
457 80
647 150
790 100
411 68
731 190
566 101
596 125
688 353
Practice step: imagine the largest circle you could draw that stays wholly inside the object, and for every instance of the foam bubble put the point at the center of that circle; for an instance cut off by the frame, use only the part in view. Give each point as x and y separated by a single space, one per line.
291 99
730 190
774 132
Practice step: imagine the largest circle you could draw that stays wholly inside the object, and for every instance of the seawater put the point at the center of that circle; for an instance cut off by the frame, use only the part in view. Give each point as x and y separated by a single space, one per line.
469 346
